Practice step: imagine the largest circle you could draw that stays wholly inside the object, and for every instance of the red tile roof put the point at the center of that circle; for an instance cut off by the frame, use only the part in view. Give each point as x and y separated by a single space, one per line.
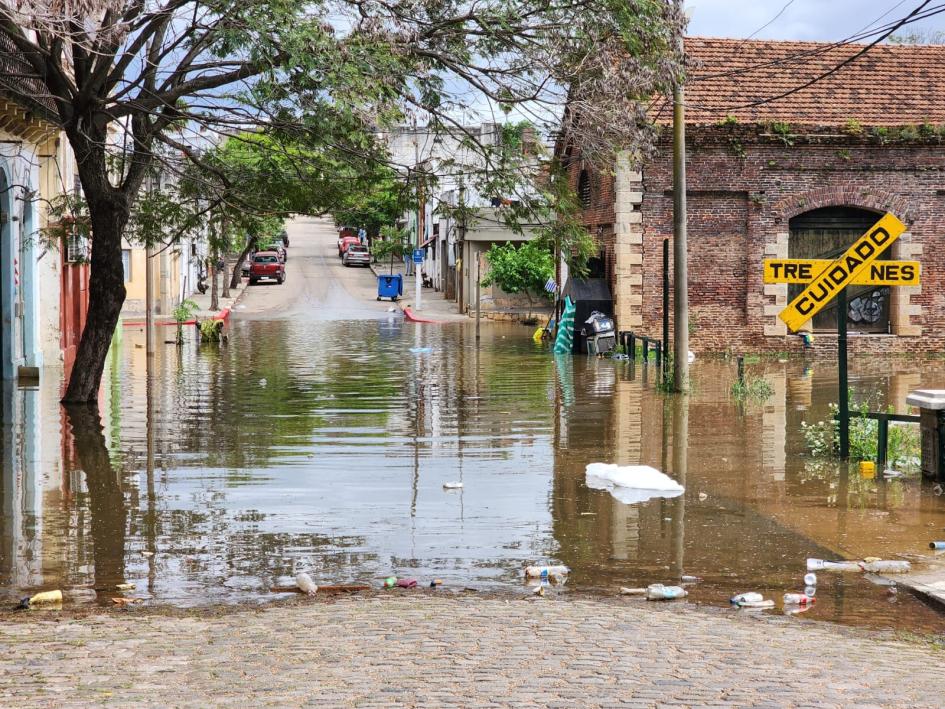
888 85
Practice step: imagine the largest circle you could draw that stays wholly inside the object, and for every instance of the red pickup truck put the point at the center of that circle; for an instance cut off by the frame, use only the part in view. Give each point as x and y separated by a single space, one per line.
266 264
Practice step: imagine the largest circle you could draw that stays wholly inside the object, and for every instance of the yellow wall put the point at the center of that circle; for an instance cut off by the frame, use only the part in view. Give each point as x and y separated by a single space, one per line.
135 287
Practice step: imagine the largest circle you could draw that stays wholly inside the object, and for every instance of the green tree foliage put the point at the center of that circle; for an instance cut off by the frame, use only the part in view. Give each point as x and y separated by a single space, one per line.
374 201
522 268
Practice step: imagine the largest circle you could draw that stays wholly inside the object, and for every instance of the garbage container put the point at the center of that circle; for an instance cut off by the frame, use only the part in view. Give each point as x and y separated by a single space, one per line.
588 295
390 286
931 405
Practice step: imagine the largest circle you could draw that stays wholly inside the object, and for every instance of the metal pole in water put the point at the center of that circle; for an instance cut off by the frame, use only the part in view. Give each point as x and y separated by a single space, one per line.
844 394
148 303
478 286
666 345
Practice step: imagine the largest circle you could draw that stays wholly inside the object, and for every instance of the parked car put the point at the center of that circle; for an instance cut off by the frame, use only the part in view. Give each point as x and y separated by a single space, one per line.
344 242
356 255
266 265
283 252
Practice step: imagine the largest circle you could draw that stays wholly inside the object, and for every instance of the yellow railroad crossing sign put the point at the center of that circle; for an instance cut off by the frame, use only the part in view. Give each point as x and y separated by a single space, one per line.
842 272
879 273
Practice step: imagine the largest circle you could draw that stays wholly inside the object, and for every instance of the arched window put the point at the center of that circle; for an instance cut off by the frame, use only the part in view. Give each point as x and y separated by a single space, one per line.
584 189
826 233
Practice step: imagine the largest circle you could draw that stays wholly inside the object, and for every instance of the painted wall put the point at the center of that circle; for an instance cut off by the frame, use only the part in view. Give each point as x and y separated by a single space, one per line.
19 251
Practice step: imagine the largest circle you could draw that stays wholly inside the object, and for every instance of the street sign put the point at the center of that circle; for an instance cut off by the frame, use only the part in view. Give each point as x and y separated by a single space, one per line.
418 255
879 273
842 272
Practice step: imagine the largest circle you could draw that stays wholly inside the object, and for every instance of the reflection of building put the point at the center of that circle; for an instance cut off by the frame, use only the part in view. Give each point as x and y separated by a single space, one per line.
799 176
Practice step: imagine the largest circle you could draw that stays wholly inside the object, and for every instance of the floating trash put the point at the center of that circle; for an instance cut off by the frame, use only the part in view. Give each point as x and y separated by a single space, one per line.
631 483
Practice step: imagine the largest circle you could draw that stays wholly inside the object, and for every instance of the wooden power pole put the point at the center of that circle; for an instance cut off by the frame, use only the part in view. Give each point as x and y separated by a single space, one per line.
680 244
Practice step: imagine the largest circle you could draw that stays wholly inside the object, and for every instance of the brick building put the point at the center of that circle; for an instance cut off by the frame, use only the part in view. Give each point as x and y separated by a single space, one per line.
796 176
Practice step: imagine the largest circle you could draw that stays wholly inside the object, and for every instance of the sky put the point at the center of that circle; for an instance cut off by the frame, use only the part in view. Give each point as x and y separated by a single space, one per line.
801 19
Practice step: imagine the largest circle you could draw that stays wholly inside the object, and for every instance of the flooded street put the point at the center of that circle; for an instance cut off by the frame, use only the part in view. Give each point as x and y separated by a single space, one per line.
316 440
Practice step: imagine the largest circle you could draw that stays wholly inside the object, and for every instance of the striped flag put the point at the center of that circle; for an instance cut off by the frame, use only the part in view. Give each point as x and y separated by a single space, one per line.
551 286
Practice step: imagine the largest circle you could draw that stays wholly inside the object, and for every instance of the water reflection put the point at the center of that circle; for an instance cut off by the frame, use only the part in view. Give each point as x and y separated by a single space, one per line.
104 499
215 473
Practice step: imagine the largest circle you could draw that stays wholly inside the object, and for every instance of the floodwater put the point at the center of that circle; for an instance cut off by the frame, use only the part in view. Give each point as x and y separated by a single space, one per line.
324 446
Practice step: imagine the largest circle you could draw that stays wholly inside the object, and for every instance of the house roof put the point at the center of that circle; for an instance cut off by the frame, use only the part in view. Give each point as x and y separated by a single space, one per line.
887 85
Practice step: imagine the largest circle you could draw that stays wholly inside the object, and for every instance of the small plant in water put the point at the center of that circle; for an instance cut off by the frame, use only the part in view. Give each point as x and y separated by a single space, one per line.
754 388
823 438
211 330
182 313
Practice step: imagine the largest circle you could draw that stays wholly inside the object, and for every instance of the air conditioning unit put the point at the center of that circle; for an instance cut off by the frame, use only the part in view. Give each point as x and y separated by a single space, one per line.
77 248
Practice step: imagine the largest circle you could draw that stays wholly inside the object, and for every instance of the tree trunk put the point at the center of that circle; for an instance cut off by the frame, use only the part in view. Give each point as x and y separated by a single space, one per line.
108 210
238 268
214 295
226 282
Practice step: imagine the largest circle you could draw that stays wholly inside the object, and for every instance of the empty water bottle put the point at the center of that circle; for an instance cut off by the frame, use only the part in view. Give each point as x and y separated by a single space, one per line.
882 566
821 565
743 598
659 592
797 599
757 604
810 579
810 591
546 571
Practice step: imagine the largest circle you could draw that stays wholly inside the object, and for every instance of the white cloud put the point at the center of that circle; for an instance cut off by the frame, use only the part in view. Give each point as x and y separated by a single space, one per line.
818 20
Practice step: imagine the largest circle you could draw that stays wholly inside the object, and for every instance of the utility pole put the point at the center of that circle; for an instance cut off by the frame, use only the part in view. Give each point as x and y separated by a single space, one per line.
149 302
420 214
421 228
478 295
680 242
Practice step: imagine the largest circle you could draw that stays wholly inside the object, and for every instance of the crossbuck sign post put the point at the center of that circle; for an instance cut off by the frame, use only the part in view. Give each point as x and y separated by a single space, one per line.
829 279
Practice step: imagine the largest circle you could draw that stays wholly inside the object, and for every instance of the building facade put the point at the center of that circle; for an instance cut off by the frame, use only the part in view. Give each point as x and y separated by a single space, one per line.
36 167
775 170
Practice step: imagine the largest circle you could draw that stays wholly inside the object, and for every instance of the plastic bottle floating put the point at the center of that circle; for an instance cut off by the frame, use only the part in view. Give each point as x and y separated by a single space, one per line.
869 564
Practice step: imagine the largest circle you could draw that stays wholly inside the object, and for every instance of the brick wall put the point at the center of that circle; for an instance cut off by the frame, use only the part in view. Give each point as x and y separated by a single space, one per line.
744 185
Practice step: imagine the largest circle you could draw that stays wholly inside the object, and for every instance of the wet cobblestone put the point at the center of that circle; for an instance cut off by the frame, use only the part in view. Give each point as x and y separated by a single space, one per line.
429 650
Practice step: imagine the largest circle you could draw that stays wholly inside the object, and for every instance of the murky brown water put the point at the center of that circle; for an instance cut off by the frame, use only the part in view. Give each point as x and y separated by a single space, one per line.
324 446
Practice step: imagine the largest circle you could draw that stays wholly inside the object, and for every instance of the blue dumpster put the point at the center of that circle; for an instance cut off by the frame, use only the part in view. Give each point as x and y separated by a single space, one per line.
391 286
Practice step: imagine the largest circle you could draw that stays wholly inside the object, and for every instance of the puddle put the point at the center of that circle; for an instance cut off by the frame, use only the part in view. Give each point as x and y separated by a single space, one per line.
213 488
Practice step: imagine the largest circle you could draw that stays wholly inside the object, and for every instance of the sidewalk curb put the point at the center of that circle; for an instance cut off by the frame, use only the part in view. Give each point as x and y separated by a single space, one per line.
222 314
408 314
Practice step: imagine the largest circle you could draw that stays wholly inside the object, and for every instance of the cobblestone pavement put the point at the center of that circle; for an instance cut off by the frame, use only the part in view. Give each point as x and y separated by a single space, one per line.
421 649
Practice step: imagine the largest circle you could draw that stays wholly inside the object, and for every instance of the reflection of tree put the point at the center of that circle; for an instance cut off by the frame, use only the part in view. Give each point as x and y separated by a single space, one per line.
106 502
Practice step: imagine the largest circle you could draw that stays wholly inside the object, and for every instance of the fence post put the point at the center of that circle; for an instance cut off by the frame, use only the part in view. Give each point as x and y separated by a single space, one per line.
882 444
633 346
646 349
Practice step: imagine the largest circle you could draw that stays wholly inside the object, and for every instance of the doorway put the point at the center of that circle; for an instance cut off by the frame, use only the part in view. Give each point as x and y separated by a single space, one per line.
826 233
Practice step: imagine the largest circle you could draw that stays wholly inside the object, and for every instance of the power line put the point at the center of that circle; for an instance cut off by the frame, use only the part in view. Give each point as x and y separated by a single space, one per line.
772 20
